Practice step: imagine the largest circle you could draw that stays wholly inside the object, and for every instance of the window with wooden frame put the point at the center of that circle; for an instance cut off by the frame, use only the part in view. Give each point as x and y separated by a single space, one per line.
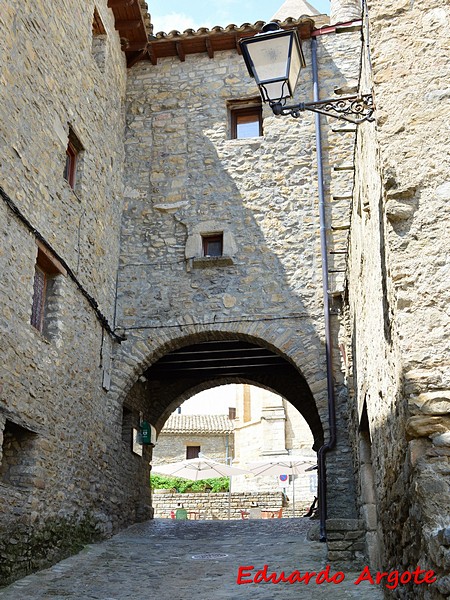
46 270
212 244
192 451
73 152
246 120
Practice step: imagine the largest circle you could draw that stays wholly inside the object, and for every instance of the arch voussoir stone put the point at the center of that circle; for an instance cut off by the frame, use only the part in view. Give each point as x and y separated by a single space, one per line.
297 347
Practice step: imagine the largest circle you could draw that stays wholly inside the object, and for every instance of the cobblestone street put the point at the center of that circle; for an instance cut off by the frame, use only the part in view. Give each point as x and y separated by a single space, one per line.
180 560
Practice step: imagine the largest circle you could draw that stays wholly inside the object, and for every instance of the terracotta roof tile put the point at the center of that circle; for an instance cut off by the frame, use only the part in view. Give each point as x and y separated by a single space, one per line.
231 28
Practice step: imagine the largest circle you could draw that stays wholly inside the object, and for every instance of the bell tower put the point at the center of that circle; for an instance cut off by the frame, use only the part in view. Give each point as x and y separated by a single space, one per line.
295 9
344 10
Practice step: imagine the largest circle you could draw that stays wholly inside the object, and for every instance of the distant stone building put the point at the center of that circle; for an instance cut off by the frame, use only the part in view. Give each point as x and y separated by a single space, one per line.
267 427
185 436
264 426
163 233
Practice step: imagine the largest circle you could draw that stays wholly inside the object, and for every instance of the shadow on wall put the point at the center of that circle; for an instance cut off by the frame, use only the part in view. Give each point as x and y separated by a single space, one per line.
260 194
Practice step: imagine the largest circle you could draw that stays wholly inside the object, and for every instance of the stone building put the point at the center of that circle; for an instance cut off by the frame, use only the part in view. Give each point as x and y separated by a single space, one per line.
267 427
150 250
185 436
263 426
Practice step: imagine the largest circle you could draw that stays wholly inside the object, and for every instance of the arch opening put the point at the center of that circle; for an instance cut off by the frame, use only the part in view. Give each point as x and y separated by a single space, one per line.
191 368
261 426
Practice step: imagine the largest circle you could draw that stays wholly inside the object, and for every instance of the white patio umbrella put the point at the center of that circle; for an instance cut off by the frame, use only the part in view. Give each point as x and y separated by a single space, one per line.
285 465
197 468
200 468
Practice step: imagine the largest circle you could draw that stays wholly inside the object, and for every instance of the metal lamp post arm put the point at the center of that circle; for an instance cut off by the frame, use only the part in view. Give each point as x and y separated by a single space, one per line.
354 109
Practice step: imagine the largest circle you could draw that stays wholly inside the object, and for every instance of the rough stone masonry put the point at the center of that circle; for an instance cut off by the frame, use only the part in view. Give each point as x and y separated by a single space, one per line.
110 176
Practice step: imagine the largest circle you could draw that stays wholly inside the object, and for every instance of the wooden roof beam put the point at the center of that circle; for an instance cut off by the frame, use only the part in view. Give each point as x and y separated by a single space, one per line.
151 54
209 48
137 58
116 3
180 51
238 47
128 24
135 46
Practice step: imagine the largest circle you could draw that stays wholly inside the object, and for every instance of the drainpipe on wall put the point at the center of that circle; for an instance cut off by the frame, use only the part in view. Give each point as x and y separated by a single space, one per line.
322 476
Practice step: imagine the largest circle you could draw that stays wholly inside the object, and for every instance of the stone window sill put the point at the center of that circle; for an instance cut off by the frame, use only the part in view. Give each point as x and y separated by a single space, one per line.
208 262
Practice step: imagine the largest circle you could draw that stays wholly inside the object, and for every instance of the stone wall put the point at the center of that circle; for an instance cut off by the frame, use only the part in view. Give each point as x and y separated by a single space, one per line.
346 542
215 506
171 447
57 488
184 176
398 287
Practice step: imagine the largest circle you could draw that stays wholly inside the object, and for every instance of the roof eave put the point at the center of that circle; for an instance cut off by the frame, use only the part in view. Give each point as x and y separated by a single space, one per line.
213 40
132 21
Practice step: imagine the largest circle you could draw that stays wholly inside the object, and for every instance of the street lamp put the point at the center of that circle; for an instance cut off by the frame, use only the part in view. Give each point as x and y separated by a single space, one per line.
274 58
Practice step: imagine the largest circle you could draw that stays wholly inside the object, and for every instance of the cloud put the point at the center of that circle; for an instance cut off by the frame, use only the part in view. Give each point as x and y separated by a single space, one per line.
178 21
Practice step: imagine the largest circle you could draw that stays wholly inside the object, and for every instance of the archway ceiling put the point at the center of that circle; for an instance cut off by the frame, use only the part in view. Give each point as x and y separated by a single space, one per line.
227 361
224 358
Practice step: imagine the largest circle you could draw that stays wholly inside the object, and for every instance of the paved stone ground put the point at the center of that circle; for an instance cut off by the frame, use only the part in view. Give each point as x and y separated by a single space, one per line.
181 560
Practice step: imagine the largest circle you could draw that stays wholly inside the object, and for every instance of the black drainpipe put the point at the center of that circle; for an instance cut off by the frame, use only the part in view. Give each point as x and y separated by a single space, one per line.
322 475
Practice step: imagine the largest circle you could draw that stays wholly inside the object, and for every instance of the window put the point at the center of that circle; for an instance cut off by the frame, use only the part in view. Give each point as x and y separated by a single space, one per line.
246 120
17 456
212 244
44 291
127 425
73 151
192 451
71 165
98 41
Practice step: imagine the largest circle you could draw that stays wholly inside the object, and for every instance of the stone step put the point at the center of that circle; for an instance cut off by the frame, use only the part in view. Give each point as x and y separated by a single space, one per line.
340 227
345 129
342 197
344 167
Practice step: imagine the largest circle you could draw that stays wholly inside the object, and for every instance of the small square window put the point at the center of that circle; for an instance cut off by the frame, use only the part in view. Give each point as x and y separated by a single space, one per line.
45 272
70 170
73 152
212 244
246 122
192 451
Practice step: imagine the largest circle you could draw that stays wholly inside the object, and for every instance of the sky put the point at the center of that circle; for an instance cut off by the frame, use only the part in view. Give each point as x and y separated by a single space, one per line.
214 401
179 14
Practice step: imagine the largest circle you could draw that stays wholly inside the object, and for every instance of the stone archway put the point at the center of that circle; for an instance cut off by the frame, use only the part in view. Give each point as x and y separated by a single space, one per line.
298 374
288 362
297 343
184 365
174 377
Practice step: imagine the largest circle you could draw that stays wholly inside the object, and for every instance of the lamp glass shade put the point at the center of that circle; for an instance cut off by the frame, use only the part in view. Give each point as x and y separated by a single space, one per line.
274 59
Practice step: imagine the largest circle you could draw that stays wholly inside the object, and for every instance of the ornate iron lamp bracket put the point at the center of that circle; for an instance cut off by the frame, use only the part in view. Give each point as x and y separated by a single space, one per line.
354 109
